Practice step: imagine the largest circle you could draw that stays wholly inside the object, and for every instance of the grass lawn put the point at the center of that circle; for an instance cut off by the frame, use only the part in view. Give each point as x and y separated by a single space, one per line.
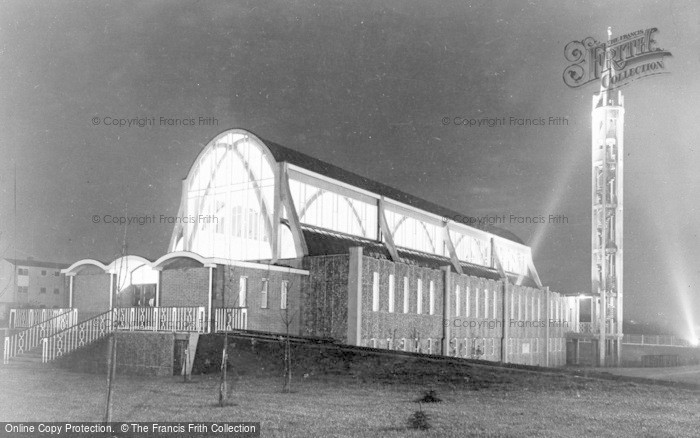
524 404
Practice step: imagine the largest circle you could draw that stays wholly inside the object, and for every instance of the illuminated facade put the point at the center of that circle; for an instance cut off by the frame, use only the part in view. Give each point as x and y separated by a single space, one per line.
384 268
272 240
247 199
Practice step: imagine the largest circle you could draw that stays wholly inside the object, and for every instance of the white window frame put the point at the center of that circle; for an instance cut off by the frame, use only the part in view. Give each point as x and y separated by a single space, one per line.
431 298
495 304
243 291
551 308
457 301
264 293
391 293
525 306
468 299
486 303
406 303
512 303
558 309
375 291
283 294
419 296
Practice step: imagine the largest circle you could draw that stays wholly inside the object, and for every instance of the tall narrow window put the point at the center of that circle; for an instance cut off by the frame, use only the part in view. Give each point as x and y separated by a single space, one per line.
495 304
558 309
243 292
283 295
263 294
467 300
431 302
476 303
525 306
391 292
512 304
550 314
457 302
405 295
375 291
419 297
486 303
536 304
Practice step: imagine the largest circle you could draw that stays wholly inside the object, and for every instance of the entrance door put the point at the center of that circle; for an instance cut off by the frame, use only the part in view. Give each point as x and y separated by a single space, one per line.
138 295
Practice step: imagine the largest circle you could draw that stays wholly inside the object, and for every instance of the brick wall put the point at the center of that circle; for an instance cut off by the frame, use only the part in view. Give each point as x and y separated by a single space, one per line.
397 325
534 336
138 353
91 294
477 324
184 287
271 318
324 302
189 286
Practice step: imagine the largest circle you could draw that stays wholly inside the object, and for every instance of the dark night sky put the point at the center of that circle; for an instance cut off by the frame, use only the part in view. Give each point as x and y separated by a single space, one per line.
363 85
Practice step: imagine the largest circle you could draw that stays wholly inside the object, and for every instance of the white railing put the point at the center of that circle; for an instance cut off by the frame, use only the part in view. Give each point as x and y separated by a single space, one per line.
230 318
587 327
28 339
592 328
162 319
24 318
177 319
77 336
666 340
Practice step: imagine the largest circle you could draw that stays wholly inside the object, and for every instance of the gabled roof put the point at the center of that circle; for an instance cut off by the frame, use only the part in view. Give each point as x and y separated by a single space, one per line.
37 264
283 154
325 242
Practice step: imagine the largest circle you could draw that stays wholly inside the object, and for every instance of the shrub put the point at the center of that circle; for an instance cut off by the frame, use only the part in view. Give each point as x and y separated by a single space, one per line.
419 420
430 396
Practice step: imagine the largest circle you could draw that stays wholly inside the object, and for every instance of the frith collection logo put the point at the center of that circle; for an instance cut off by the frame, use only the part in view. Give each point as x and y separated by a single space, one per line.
615 63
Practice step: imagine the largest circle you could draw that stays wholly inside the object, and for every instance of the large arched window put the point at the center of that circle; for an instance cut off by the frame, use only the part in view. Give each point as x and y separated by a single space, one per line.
229 201
413 233
471 249
328 209
513 259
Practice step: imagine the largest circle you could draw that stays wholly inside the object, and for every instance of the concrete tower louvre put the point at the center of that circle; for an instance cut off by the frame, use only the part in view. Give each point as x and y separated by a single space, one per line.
607 216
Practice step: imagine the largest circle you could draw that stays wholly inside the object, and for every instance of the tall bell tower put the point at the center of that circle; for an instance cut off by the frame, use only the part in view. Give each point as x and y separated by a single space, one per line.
606 215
